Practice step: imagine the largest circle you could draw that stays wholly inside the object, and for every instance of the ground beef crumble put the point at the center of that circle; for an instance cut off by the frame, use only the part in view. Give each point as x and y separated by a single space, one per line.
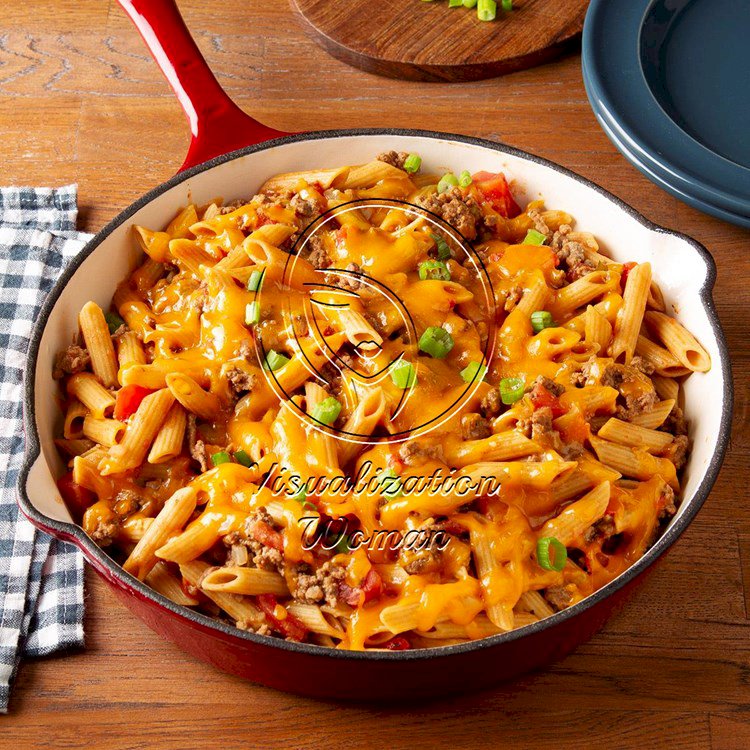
462 213
509 298
491 405
677 452
240 381
349 280
394 158
641 365
538 220
556 389
318 257
635 405
260 555
127 502
667 495
313 586
105 532
196 446
306 208
73 360
602 529
415 452
571 451
614 376
475 427
539 428
558 596
571 254
675 423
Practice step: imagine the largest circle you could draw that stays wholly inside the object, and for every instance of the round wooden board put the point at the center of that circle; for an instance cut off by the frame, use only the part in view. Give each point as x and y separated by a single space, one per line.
429 41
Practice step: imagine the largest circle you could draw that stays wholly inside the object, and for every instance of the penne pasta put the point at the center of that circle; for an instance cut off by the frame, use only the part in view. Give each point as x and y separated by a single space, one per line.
679 341
245 581
99 343
171 435
630 316
172 517
88 390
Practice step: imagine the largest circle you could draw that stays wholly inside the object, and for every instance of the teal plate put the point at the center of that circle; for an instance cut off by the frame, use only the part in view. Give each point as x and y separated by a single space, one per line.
669 81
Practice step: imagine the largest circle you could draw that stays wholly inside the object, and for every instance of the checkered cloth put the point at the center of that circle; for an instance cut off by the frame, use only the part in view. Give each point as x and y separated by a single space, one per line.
41 579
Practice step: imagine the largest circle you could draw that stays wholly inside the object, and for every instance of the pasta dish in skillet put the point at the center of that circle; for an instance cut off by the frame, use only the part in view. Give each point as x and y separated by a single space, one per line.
372 407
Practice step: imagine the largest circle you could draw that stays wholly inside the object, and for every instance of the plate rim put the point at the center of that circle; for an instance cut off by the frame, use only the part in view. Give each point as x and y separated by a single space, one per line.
654 143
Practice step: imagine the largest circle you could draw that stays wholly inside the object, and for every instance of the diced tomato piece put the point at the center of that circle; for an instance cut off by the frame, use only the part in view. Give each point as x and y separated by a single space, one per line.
399 643
352 595
357 596
290 626
263 533
372 586
262 220
626 269
128 400
77 498
494 187
541 397
452 527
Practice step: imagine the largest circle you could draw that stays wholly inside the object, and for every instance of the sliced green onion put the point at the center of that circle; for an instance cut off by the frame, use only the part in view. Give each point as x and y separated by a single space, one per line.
541 319
255 282
486 10
464 179
252 314
403 374
447 181
114 321
412 163
342 546
470 3
391 485
534 238
444 252
511 389
222 457
436 342
327 411
473 371
455 3
274 361
242 457
300 495
551 553
507 5
434 269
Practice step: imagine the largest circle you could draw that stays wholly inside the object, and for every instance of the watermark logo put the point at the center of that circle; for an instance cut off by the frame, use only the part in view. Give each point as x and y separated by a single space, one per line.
354 317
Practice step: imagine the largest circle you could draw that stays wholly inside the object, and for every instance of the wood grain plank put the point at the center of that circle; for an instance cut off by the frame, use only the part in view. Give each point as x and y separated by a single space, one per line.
730 732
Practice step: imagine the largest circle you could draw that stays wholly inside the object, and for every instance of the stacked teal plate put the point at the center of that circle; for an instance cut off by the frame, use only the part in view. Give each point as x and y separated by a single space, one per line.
669 81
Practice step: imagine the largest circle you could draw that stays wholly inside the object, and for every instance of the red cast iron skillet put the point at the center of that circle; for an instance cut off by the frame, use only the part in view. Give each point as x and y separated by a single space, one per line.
221 132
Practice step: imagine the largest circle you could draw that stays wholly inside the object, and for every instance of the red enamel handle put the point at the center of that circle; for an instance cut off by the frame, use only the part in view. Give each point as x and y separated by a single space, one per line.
217 124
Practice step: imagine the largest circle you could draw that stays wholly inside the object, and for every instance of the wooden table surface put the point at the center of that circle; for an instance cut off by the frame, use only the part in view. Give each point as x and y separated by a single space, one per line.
81 101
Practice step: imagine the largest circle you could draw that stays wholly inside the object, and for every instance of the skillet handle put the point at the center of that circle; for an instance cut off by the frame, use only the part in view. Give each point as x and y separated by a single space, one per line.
217 124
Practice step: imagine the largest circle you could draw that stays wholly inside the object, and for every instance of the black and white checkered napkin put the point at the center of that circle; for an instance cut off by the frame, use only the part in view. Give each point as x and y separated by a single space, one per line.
41 579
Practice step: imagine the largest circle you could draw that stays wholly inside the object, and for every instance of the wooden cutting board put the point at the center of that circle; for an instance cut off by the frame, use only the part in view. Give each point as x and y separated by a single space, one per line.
428 41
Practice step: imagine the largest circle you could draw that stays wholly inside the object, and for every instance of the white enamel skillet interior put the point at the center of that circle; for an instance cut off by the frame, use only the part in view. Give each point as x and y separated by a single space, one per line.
683 268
